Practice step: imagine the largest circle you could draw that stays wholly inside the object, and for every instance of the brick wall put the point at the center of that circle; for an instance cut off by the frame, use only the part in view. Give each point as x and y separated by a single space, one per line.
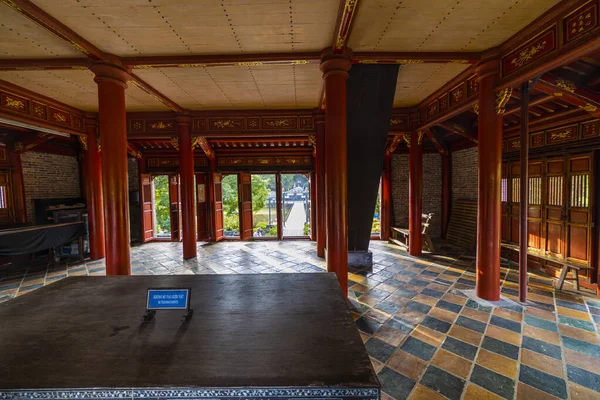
464 174
134 182
432 190
48 176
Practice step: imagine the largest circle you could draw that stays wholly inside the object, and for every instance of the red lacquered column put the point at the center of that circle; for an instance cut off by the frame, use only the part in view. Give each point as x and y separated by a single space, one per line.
112 82
386 198
94 199
489 185
186 172
335 71
415 190
321 198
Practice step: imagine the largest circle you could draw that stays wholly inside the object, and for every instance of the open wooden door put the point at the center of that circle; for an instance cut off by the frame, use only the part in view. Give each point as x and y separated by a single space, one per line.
202 207
217 207
175 200
147 211
245 206
579 209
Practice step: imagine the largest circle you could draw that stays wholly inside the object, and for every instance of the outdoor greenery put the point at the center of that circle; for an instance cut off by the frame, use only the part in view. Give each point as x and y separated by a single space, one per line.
162 203
231 219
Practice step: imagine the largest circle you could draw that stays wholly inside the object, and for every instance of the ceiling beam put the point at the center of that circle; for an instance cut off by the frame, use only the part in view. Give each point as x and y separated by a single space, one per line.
437 140
538 100
459 129
205 146
223 60
140 83
415 57
45 64
394 144
570 92
133 150
343 24
32 142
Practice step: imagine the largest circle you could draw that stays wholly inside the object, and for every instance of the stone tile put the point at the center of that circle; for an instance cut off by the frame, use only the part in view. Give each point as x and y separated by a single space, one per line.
543 363
428 335
407 364
442 382
379 350
466 335
452 363
460 348
497 363
471 324
579 392
507 314
500 347
475 392
580 334
449 306
394 384
581 346
541 323
418 348
443 315
543 381
505 323
504 335
526 392
584 378
576 323
367 325
436 324
476 314
542 347
390 335
420 392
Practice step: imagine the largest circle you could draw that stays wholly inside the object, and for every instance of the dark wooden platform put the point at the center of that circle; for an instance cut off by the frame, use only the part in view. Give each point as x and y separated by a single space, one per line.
251 336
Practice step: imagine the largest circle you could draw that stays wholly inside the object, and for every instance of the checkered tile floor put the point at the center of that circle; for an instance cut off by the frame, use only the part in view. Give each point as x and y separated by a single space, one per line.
427 337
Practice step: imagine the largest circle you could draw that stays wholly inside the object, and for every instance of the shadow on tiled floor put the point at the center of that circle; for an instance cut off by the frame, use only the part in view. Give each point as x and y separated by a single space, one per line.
427 339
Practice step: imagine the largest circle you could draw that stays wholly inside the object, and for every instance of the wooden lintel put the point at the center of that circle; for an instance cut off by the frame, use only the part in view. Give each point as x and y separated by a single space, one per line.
133 150
571 93
534 102
44 64
459 130
140 83
437 140
415 57
220 60
206 147
31 143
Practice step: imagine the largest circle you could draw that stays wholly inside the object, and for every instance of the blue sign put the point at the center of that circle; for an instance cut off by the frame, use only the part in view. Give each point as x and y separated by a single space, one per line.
168 299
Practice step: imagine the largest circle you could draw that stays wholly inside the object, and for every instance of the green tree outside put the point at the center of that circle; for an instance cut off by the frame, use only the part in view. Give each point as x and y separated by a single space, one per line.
162 204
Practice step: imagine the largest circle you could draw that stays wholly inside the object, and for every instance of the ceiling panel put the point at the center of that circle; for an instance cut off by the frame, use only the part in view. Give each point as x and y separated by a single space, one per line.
77 89
22 38
417 81
256 87
168 27
441 25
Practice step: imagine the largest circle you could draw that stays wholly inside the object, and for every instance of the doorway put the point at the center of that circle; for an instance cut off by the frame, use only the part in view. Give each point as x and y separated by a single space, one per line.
231 206
264 206
295 203
162 206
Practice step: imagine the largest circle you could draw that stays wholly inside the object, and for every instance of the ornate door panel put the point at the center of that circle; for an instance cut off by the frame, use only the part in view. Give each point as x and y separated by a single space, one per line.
202 207
147 210
6 203
175 201
218 230
554 208
245 205
534 208
515 191
579 207
505 205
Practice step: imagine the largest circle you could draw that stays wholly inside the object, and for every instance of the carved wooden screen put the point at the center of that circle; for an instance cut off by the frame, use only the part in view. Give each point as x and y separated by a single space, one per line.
579 215
554 209
515 191
175 200
245 205
202 206
147 211
534 208
505 204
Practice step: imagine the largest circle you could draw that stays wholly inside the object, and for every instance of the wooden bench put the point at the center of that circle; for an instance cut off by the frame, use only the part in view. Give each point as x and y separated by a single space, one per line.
567 265
400 236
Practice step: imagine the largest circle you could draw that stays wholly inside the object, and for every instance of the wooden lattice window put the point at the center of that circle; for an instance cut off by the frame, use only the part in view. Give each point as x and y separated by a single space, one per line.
3 197
555 190
504 190
580 191
535 190
516 190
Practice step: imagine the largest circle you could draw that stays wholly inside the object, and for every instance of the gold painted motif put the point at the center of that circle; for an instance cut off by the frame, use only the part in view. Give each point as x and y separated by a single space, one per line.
396 121
368 62
59 117
43 134
476 108
459 61
137 125
280 123
515 144
299 62
191 65
420 138
99 144
162 125
249 64
406 138
226 123
263 161
457 95
561 135
566 85
410 61
313 141
526 55
458 128
501 99
16 104
18 146
175 143
252 123
83 141
79 67
589 108
12 5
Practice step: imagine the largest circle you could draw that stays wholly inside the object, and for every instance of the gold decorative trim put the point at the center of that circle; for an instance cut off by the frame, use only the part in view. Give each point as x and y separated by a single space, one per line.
280 123
175 142
83 141
406 138
227 123
161 125
410 61
501 99
249 64
18 147
476 108
589 108
99 144
566 85
191 65
15 103
299 62
420 138
526 55
368 62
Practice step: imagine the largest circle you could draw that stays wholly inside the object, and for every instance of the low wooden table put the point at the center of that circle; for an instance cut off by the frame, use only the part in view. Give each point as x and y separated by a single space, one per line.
276 336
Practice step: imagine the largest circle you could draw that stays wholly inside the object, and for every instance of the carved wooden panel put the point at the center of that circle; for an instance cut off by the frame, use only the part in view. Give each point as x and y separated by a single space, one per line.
14 103
537 140
60 117
173 162
457 94
514 144
399 122
162 125
532 50
279 123
590 129
580 22
565 134
226 124
287 161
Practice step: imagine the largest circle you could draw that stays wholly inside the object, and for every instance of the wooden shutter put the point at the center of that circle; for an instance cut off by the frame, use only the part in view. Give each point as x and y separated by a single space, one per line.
217 206
534 207
579 216
202 206
245 205
514 199
175 200
505 205
147 209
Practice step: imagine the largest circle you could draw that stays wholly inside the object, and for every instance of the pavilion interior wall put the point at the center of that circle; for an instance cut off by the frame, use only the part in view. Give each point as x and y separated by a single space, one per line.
49 176
135 216
432 190
464 174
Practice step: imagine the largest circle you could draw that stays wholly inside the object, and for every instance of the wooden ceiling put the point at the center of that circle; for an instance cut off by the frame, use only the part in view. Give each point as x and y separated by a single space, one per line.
184 28
441 25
